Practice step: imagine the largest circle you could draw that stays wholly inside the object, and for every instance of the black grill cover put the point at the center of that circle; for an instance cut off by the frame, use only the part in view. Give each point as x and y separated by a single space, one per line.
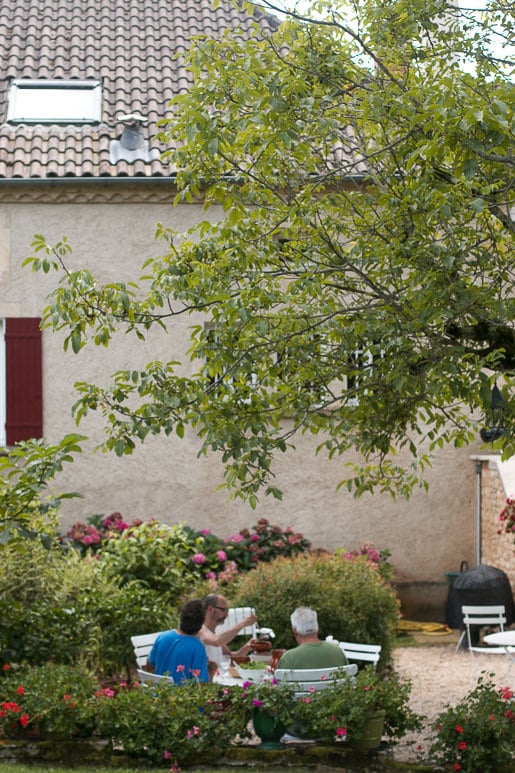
479 586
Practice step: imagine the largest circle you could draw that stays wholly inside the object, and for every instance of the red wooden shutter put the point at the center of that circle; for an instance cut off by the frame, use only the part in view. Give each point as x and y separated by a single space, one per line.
24 388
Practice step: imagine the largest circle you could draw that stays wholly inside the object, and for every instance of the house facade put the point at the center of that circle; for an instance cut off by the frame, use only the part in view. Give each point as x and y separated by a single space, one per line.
82 88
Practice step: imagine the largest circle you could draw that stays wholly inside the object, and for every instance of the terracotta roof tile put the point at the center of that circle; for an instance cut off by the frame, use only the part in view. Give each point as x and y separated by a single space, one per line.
127 44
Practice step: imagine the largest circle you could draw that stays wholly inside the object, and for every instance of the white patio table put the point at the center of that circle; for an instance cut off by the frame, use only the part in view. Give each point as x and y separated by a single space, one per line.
504 639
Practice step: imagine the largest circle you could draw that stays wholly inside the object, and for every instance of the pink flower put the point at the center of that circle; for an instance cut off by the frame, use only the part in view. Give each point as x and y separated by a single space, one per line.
256 702
221 555
205 532
254 538
167 755
235 538
341 731
180 669
107 691
199 558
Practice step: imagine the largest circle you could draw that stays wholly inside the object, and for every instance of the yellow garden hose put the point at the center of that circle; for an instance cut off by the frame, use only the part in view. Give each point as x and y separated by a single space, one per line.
428 629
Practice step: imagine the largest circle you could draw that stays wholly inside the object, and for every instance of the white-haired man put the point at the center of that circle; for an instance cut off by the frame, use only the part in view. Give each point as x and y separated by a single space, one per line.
311 652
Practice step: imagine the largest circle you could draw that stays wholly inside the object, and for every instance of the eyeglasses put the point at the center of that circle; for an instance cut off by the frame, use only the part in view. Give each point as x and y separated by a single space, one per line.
222 609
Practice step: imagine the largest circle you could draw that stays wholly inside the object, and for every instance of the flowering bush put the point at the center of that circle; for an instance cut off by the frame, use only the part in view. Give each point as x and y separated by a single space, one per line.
507 518
89 537
479 733
341 710
221 560
193 722
52 699
378 559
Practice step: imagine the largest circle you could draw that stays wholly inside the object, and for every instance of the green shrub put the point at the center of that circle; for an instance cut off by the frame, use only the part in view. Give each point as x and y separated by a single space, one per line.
52 698
36 622
65 608
155 555
352 600
190 723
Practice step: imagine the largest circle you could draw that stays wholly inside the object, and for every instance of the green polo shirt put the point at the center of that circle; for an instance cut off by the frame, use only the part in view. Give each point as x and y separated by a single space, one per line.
323 654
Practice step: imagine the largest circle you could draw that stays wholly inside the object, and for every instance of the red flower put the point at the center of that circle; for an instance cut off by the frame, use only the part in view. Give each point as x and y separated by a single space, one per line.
456 766
459 729
6 667
462 746
24 720
20 690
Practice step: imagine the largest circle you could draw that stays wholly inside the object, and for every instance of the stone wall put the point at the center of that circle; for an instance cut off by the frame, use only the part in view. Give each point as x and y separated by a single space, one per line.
497 483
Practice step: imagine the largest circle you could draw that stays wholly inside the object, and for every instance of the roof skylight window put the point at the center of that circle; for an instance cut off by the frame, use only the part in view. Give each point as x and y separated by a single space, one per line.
54 101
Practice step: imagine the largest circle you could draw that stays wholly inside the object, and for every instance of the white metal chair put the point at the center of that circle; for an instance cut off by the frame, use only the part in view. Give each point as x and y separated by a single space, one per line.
236 615
358 652
364 653
491 615
307 680
142 645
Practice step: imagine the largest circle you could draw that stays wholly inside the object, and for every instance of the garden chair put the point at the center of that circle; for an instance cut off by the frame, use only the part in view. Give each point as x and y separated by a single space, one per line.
236 615
480 616
307 680
357 652
142 645
364 653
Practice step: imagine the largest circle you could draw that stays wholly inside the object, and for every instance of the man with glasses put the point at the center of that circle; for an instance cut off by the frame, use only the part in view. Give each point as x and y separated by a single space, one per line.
217 609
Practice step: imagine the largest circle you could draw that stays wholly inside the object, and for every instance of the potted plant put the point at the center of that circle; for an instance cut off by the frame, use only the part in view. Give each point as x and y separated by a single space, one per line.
268 703
359 710
48 701
478 733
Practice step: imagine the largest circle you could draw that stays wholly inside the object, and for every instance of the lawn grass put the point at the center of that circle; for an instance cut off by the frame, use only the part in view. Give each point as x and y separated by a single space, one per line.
16 768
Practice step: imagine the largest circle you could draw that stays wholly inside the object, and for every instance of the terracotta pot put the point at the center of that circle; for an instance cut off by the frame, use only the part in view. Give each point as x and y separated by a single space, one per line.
261 646
276 657
240 659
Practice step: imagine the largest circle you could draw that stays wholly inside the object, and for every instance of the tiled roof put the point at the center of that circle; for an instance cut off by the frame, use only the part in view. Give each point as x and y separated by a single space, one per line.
128 45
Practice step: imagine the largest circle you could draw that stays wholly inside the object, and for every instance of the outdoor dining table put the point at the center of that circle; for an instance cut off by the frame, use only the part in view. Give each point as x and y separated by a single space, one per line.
501 639
228 679
504 639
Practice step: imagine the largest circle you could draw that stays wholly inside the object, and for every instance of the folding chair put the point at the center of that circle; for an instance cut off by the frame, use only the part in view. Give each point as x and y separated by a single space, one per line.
357 652
142 645
236 615
480 616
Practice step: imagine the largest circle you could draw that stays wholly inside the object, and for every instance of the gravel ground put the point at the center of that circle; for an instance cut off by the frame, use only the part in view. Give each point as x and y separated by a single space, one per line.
440 677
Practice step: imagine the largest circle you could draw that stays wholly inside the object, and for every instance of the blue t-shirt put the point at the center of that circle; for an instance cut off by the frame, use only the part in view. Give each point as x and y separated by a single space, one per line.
179 656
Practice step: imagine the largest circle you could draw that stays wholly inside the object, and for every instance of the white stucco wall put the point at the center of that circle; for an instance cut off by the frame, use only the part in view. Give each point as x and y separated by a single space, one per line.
111 230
